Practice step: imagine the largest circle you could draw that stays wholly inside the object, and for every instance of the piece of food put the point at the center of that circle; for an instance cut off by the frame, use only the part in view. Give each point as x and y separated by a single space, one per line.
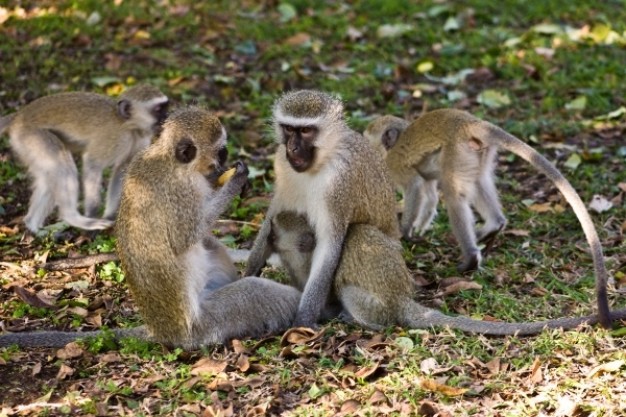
226 175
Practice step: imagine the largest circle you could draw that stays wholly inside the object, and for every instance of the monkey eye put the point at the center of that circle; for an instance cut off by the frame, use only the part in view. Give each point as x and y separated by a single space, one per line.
288 129
306 129
222 154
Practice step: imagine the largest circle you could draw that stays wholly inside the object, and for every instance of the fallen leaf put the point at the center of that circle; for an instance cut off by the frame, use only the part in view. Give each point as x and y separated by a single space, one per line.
111 357
573 161
36 369
536 375
428 365
300 336
461 286
71 350
31 298
366 371
349 407
378 397
567 407
434 386
393 31
299 39
243 364
493 99
208 366
612 366
430 409
64 371
540 207
599 204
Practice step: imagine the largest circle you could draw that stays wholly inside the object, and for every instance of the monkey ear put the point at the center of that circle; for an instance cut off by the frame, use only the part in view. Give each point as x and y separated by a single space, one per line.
123 108
390 137
185 150
476 144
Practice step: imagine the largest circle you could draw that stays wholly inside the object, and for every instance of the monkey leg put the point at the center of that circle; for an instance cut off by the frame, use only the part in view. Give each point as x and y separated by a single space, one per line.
92 184
365 308
419 207
40 206
487 205
462 224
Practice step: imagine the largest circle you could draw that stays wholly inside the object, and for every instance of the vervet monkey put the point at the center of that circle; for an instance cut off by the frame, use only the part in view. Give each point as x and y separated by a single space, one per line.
328 172
46 133
185 285
374 286
456 150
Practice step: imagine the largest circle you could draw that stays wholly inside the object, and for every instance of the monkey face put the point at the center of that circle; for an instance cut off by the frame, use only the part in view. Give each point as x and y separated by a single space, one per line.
300 145
159 112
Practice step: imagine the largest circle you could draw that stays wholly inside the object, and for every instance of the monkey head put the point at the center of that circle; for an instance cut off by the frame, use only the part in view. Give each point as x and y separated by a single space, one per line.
145 106
383 133
304 121
198 141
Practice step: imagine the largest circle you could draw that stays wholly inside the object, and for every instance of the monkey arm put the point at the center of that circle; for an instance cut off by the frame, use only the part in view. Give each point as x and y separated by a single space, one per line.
323 266
261 249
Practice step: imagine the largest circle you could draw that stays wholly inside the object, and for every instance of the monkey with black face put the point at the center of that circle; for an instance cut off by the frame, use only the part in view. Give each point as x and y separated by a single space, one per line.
373 285
328 172
181 277
46 133
456 151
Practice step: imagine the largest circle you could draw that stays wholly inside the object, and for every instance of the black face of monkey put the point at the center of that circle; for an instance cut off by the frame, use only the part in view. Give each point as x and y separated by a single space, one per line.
160 112
299 143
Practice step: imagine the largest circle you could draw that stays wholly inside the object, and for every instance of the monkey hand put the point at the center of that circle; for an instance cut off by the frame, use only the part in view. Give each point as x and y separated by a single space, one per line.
240 176
305 320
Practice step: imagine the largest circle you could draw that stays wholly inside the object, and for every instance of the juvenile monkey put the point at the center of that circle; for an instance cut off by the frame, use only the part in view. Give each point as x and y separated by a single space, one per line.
328 172
374 286
46 133
456 151
184 283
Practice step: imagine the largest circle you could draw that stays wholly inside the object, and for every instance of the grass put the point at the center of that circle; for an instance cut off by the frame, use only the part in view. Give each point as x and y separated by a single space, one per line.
560 64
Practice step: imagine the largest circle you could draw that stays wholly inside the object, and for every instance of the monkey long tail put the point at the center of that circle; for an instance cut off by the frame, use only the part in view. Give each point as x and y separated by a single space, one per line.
499 137
55 339
419 317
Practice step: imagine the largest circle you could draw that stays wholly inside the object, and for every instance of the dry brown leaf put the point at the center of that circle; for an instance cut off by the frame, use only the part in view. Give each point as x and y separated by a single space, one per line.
349 407
540 208
64 371
461 286
378 397
300 336
31 298
36 369
243 364
622 186
111 357
612 366
71 350
536 375
517 232
298 39
493 366
430 409
366 371
434 386
208 366
238 347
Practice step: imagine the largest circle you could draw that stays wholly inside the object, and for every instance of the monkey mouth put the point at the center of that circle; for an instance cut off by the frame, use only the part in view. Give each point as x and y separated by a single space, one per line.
299 164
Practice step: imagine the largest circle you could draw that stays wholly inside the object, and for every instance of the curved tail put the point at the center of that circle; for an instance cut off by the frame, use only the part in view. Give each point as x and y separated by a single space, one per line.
499 137
417 316
54 339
